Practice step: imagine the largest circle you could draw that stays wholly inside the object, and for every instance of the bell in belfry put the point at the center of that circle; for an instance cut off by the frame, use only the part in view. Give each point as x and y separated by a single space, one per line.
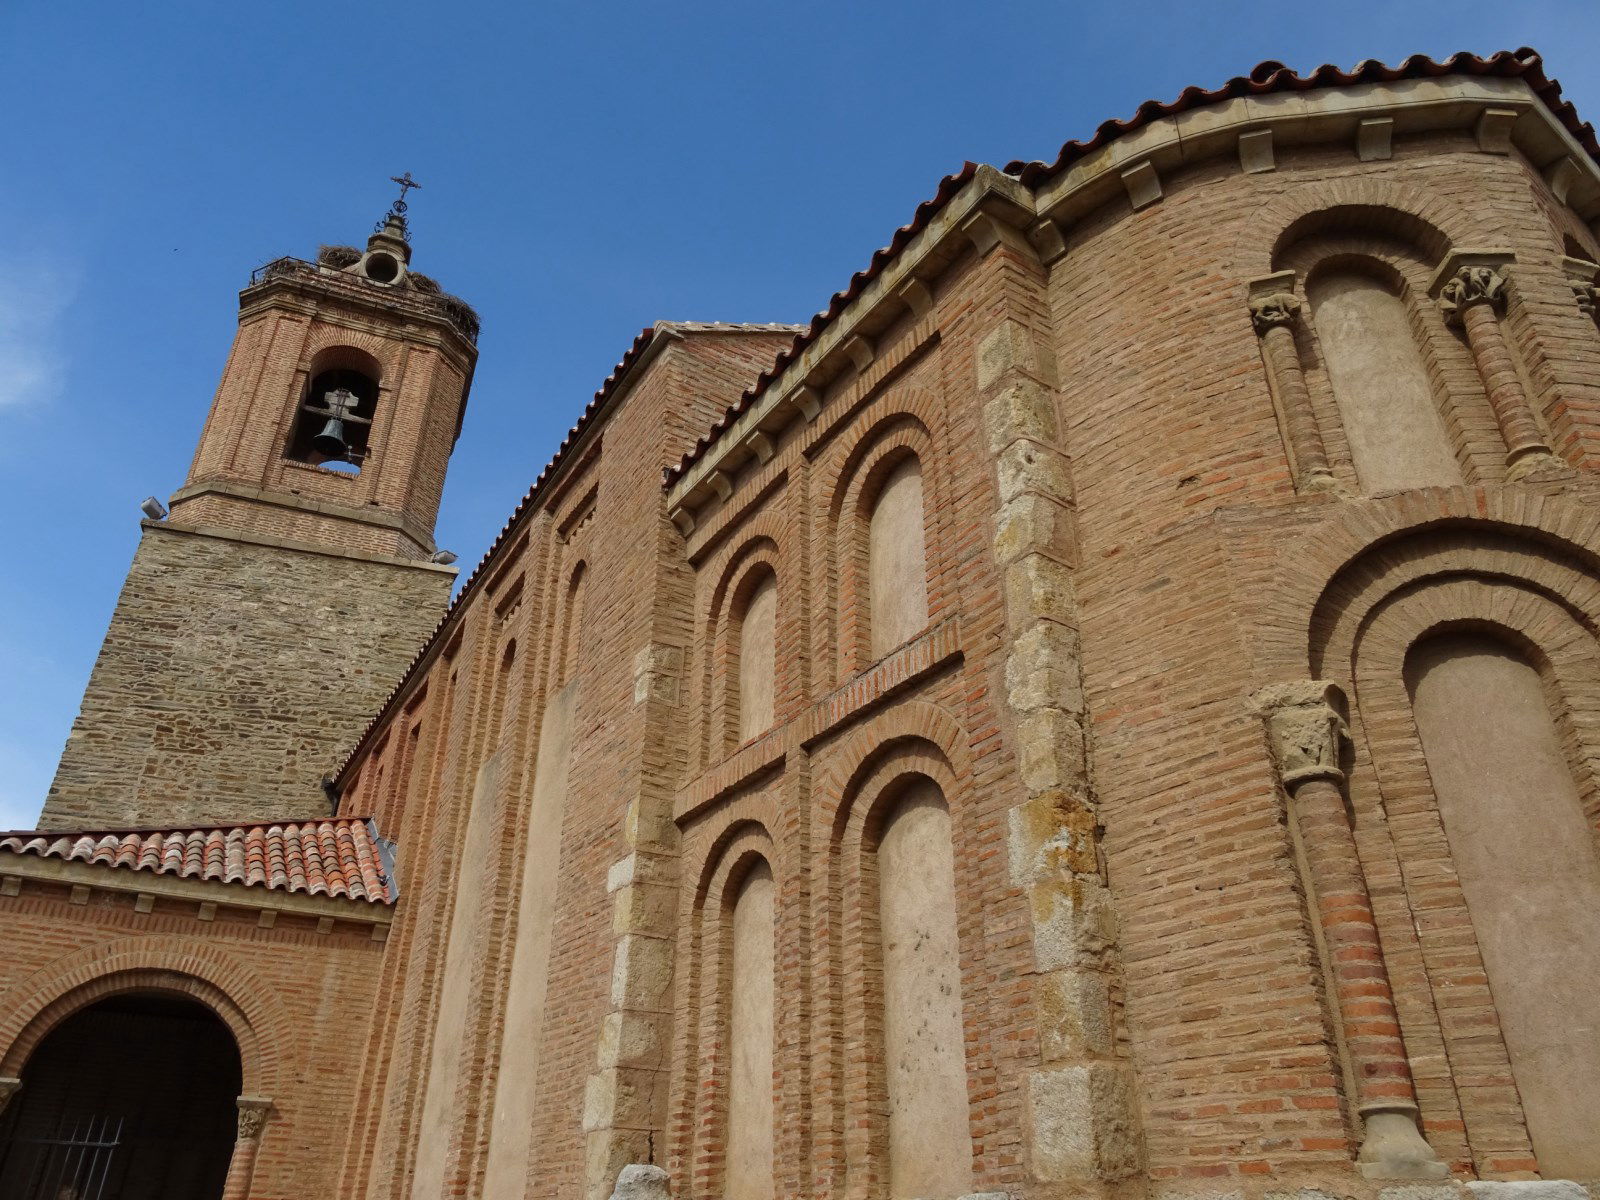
330 442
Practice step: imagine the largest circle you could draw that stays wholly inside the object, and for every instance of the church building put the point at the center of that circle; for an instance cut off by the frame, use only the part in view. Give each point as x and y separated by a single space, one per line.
1108 710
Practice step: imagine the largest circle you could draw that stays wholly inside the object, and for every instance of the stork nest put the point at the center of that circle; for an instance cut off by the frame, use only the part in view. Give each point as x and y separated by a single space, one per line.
338 257
462 314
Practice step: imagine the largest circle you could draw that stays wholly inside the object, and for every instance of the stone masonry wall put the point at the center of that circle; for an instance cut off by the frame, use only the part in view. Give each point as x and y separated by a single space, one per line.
233 677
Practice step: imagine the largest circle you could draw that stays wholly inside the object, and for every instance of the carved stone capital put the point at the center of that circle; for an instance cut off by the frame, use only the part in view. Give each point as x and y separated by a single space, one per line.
1472 285
1586 296
1305 729
253 1114
1279 308
9 1087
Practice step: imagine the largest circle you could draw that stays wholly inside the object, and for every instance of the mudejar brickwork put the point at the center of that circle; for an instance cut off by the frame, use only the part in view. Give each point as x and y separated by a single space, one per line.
1111 708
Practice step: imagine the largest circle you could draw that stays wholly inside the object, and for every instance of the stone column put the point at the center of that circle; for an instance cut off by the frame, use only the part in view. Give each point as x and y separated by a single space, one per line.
1472 296
1306 732
253 1113
10 1085
1273 313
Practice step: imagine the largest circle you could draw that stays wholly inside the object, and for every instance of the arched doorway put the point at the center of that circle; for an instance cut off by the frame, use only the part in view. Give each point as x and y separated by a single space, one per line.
130 1098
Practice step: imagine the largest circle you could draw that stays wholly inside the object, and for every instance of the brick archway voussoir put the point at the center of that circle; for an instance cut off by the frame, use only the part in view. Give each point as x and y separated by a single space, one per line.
238 997
1310 565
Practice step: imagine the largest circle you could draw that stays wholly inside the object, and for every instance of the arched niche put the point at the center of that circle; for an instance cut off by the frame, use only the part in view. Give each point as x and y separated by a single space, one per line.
751 998
1381 384
725 1110
897 558
900 776
924 1045
758 653
1527 863
879 598
1470 652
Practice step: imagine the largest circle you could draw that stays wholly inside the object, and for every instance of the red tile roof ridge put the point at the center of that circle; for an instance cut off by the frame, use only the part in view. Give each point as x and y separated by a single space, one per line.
1271 76
319 856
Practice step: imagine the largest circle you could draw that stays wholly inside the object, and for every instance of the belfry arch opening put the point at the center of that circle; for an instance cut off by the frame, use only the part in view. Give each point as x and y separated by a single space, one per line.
131 1098
333 424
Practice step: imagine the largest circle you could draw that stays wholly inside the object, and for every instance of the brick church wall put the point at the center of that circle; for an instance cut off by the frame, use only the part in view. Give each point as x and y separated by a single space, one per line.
1203 950
1109 489
303 996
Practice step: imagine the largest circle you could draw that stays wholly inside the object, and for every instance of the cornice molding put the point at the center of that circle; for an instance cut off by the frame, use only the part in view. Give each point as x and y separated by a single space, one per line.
994 208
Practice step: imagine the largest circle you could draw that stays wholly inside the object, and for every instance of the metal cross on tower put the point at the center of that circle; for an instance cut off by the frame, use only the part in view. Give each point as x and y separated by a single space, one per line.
406 184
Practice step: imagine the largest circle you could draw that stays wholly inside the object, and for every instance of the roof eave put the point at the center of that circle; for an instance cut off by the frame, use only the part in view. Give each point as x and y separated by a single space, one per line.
107 877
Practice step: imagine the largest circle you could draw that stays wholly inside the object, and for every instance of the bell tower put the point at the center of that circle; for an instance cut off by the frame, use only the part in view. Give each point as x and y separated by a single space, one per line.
265 619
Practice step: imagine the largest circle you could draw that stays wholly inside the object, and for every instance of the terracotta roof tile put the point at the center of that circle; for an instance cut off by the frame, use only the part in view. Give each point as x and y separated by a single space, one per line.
1269 76
339 857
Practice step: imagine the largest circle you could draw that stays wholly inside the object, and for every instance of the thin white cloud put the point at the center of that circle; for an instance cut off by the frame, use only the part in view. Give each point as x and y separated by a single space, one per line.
35 290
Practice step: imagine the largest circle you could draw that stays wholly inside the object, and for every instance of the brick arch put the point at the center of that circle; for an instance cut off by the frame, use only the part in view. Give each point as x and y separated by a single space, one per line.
1402 207
1308 567
892 441
1357 596
331 337
239 998
854 758
1559 638
906 419
1464 1080
715 678
720 873
916 405
867 773
1564 223
700 1110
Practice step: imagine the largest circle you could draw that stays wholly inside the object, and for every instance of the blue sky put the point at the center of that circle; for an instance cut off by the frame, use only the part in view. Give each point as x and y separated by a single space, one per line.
587 168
